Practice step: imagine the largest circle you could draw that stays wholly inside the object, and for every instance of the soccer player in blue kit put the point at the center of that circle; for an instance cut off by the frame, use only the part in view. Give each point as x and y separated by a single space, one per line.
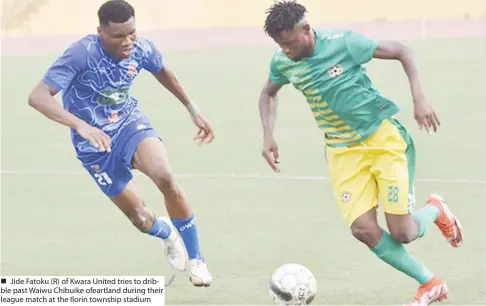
110 134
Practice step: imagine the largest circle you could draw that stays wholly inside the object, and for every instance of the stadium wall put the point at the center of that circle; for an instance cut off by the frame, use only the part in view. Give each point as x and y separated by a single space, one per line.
51 25
66 17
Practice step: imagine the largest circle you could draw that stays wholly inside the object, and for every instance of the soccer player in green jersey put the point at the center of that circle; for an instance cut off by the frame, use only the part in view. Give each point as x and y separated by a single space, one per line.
371 156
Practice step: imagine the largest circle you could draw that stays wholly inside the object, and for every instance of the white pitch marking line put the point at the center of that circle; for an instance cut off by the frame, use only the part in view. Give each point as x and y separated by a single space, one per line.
241 176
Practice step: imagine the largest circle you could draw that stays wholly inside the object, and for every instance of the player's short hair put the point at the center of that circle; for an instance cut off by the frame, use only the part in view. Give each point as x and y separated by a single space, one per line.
283 16
118 11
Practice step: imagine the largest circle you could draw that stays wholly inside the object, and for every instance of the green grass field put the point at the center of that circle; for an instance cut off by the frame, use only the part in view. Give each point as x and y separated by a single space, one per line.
56 223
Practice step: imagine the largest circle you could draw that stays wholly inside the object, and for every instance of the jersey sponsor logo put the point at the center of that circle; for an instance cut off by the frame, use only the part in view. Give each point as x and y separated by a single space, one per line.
112 96
335 70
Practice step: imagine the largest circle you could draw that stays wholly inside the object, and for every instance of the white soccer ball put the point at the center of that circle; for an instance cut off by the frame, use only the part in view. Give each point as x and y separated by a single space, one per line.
292 284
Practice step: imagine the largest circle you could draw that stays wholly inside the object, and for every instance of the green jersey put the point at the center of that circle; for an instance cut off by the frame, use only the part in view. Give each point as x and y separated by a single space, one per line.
343 100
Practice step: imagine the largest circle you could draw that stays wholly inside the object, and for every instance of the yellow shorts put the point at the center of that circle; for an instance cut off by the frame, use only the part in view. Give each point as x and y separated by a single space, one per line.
382 167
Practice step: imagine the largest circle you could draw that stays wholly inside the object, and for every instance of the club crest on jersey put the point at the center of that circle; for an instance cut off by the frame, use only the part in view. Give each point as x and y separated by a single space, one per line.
335 70
132 70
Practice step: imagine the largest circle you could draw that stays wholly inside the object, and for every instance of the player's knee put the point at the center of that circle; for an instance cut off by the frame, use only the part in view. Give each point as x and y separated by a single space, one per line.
142 219
369 234
166 182
402 236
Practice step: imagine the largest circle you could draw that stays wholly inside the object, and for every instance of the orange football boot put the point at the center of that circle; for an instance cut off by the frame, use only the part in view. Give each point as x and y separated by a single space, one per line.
447 222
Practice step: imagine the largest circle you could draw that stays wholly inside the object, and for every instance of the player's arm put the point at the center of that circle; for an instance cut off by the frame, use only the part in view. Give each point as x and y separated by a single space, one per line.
42 99
57 78
267 105
363 49
168 79
392 50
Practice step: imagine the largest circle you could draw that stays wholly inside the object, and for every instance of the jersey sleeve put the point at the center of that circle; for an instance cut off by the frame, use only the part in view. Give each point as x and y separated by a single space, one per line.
153 58
360 47
275 75
66 67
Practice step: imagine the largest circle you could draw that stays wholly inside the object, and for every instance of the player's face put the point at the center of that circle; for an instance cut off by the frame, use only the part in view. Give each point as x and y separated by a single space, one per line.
297 43
118 38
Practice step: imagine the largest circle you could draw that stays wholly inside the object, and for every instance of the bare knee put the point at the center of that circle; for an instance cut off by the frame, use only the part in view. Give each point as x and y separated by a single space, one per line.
142 219
403 228
369 234
403 235
165 181
366 229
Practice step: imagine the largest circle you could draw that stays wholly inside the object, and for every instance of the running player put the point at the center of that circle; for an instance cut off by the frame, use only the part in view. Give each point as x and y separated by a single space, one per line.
110 134
371 156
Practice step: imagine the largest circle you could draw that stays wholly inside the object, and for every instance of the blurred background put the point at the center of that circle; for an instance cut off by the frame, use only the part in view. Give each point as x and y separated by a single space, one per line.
60 17
55 220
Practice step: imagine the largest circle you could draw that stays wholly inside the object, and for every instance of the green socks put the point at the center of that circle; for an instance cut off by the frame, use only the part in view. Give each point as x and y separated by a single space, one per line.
397 256
425 217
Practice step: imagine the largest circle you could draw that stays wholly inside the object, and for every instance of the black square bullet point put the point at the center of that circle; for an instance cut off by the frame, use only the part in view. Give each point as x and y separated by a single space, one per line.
4 280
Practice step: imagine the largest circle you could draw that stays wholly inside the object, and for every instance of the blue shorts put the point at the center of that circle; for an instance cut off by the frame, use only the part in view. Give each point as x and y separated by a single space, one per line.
113 170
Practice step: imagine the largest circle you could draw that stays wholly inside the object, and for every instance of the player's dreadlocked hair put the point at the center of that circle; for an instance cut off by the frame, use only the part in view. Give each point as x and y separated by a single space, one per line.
118 11
283 16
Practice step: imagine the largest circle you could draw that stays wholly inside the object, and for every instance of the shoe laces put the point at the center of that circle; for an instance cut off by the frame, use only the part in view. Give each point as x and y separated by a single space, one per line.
447 228
422 291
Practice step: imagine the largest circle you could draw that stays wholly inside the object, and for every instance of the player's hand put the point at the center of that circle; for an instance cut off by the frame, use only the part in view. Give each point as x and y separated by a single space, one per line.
205 133
270 153
95 136
426 116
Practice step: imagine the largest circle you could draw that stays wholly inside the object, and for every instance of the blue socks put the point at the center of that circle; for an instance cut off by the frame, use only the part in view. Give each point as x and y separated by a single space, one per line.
188 231
159 229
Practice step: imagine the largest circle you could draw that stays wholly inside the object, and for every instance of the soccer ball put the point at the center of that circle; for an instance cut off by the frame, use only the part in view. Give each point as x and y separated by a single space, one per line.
292 284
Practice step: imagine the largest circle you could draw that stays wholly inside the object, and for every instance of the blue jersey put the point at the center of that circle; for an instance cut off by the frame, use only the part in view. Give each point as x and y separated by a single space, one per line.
96 86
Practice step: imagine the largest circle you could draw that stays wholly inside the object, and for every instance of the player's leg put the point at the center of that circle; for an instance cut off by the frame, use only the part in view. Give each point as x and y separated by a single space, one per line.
151 159
366 229
396 176
395 172
394 169
357 191
114 178
132 205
